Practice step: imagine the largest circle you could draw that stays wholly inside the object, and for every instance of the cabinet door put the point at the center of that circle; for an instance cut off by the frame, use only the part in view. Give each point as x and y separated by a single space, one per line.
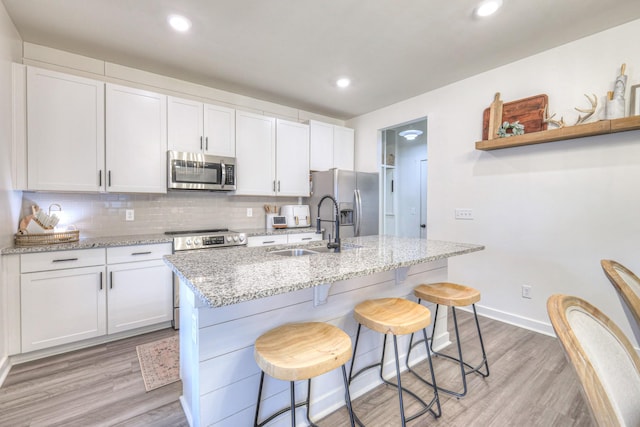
184 125
321 146
255 154
65 131
343 148
140 294
136 140
219 130
292 159
63 306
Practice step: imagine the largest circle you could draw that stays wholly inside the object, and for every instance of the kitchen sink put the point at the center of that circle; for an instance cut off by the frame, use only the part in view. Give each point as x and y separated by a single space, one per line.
294 252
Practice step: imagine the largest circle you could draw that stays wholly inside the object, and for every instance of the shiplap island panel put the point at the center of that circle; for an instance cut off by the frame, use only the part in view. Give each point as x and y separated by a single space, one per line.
229 297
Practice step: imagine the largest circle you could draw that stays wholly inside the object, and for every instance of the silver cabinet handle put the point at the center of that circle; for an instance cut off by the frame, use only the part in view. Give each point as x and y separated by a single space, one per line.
268 241
111 280
109 179
206 145
224 174
101 280
141 253
278 186
100 178
306 238
201 143
65 259
274 186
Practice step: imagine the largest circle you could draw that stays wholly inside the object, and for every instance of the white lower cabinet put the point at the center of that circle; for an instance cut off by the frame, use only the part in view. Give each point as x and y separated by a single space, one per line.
70 296
140 287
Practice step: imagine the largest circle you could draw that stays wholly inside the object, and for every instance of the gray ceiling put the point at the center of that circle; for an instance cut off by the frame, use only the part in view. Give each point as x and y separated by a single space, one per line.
291 51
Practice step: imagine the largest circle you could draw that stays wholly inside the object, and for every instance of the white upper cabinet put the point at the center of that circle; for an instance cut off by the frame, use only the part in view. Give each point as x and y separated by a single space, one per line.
321 146
65 132
292 159
272 156
255 154
196 127
343 148
331 146
136 140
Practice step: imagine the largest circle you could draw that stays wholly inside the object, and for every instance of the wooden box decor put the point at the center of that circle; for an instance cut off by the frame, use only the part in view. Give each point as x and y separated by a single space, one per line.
528 112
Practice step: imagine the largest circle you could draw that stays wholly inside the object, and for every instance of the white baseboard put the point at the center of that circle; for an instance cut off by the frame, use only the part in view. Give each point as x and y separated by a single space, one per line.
5 367
514 319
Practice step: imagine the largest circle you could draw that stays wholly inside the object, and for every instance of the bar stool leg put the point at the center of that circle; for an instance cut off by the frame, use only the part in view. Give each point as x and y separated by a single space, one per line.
460 360
348 396
292 388
255 422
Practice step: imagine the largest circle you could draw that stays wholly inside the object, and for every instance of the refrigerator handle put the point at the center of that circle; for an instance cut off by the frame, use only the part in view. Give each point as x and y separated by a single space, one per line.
358 211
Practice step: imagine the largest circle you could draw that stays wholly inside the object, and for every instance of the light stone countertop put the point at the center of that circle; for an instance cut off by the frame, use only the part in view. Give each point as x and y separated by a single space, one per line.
131 240
229 276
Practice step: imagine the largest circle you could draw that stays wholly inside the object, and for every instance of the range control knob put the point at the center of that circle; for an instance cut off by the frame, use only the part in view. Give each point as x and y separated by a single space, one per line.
229 238
196 242
188 242
241 238
235 238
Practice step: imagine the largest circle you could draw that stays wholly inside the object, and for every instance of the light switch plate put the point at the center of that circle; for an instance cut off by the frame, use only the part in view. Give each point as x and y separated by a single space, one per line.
465 213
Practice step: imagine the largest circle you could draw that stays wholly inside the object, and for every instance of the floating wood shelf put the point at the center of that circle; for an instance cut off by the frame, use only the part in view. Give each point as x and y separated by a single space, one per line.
602 127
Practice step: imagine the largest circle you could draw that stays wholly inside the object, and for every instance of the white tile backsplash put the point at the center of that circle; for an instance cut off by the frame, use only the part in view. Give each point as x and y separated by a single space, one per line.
97 215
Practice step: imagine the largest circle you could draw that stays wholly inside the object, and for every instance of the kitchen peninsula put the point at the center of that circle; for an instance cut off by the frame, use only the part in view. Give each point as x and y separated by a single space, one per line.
231 296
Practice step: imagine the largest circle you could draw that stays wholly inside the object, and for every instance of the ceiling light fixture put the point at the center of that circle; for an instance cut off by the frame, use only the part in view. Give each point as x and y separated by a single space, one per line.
343 82
179 23
488 7
410 134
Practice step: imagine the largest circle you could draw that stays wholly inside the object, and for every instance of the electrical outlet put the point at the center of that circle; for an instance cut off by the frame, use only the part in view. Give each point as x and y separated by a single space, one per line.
129 215
249 212
526 291
464 213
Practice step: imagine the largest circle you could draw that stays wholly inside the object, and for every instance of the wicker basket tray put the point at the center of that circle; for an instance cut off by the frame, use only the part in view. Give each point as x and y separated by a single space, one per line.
47 238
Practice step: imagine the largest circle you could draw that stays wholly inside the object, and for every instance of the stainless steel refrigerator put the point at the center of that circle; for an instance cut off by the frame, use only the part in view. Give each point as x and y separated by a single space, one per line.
357 197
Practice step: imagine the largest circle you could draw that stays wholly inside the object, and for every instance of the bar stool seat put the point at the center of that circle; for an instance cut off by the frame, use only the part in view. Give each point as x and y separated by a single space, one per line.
452 295
301 351
395 316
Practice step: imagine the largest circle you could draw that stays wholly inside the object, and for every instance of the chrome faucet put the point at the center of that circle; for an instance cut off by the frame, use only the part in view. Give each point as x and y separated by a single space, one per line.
336 243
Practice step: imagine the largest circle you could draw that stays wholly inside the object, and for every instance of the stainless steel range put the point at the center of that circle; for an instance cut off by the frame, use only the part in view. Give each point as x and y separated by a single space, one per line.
190 240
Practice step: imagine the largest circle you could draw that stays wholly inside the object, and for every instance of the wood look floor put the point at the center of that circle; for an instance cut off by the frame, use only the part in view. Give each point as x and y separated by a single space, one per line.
530 384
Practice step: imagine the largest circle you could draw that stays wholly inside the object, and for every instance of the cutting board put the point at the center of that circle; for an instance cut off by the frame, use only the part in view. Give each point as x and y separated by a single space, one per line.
528 111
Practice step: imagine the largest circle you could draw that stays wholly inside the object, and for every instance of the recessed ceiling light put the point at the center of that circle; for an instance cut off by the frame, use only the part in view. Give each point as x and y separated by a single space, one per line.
343 82
488 7
410 134
179 23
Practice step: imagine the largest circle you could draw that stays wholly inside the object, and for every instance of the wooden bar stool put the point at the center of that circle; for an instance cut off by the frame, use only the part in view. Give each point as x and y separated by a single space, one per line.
301 351
395 316
452 295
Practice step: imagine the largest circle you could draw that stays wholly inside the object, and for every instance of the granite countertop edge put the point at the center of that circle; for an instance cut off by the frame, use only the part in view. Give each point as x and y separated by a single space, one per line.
228 280
133 239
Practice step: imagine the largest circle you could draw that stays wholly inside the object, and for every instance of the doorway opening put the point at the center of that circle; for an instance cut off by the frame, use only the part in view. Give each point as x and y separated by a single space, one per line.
403 172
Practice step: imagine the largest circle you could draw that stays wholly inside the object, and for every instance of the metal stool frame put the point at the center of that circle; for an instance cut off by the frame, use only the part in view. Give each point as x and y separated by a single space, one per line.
295 405
427 407
460 360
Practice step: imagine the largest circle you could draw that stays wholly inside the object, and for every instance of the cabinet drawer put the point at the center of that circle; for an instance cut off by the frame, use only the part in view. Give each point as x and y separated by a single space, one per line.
304 237
60 260
137 253
280 239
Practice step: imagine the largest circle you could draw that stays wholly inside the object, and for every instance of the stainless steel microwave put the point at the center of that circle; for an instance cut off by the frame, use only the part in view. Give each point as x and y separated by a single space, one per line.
197 171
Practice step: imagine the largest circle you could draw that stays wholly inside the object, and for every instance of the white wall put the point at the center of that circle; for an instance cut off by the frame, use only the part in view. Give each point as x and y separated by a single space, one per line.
547 213
10 51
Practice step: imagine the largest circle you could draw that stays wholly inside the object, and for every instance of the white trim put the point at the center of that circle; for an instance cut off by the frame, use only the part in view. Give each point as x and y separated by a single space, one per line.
5 367
515 320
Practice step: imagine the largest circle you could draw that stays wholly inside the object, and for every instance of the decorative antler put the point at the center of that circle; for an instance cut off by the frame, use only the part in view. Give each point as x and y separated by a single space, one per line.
546 119
588 112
